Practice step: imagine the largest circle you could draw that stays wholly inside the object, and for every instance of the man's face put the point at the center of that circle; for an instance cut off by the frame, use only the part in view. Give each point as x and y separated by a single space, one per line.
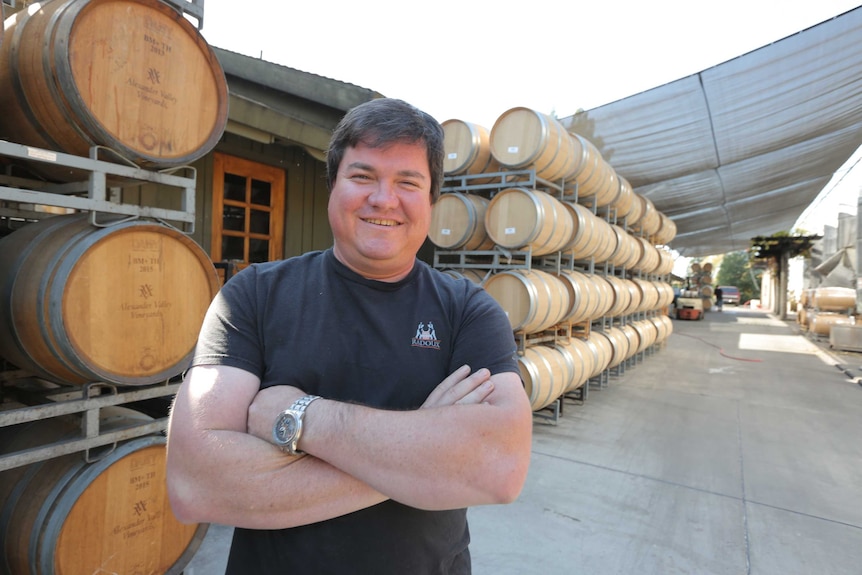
380 209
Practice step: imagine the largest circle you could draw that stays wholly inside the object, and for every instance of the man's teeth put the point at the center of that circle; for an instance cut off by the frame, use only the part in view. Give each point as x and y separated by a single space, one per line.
382 222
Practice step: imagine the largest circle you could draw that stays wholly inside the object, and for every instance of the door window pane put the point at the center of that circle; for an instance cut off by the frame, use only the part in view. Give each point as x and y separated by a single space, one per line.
234 187
259 222
233 248
234 218
260 192
258 250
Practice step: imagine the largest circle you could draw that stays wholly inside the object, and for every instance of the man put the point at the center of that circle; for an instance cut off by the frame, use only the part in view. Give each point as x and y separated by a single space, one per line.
412 424
719 302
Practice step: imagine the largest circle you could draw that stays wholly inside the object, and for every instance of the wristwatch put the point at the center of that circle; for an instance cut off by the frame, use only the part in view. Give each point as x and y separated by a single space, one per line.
288 425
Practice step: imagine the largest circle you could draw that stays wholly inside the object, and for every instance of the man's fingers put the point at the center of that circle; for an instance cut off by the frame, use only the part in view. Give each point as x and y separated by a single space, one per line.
460 387
478 395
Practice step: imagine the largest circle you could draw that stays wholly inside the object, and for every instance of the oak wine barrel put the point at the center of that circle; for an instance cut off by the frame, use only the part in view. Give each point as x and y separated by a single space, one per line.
110 515
458 222
132 75
467 150
533 300
121 304
518 218
522 138
834 298
544 373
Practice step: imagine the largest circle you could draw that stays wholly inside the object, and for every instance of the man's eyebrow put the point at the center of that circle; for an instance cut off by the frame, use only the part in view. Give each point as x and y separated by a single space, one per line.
411 174
402 173
360 166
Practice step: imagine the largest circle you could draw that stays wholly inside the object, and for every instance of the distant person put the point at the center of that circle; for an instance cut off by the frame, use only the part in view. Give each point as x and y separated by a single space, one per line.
718 300
405 401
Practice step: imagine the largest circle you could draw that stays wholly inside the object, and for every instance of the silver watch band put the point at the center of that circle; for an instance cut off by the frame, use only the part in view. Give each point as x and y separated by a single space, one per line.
300 406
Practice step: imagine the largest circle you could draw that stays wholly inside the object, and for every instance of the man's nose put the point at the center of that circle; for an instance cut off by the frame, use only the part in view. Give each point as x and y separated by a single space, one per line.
384 195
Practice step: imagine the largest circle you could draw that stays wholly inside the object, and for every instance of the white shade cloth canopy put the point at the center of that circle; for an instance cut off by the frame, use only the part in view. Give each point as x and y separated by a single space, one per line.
741 149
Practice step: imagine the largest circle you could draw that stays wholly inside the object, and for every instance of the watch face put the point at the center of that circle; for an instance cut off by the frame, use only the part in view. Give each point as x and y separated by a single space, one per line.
285 428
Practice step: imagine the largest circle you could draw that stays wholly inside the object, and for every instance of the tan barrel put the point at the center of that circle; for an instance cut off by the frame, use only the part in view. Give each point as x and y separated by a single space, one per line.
532 299
583 357
665 266
706 291
627 252
666 294
638 207
633 339
607 296
624 202
585 298
65 515
649 294
458 222
467 150
619 345
121 304
666 230
602 350
622 297
635 296
517 218
591 235
545 375
131 75
605 190
605 249
591 171
650 258
523 138
647 332
834 298
821 322
664 327
649 222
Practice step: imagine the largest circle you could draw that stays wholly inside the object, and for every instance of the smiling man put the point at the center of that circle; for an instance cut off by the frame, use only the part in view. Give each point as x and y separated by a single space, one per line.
345 407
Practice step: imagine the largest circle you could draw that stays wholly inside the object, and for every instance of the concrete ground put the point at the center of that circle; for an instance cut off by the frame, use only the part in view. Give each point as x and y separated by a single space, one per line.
735 448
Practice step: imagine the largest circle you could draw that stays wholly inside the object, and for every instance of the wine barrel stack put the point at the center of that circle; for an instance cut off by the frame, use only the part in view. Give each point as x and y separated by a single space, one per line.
99 313
823 307
576 258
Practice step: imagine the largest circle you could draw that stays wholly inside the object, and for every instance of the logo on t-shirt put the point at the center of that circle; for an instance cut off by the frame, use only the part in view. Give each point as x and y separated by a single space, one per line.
426 336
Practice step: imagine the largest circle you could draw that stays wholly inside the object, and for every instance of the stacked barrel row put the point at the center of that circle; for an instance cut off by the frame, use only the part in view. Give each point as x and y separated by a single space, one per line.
823 307
524 139
536 300
700 283
498 206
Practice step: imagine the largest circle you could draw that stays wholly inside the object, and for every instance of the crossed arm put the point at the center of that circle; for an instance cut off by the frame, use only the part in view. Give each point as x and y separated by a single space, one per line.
468 445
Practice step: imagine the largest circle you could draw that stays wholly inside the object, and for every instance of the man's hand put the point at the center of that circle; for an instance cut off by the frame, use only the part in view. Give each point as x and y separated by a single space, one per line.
461 387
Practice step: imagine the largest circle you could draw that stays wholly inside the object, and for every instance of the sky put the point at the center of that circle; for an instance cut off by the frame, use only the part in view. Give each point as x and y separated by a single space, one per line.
475 59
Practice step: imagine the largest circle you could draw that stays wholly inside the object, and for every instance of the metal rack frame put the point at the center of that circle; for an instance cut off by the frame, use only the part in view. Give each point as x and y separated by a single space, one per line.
102 182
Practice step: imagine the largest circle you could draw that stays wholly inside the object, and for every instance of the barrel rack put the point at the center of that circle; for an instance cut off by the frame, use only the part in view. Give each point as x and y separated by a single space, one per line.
99 191
499 259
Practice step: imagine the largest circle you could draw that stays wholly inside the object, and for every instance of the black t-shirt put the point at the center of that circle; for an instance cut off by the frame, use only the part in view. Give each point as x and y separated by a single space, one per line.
311 322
